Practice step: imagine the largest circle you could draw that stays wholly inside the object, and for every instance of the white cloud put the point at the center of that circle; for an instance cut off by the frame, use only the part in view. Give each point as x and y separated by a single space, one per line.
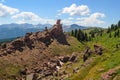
58 10
21 22
92 20
67 21
81 10
47 21
59 14
30 17
6 10
70 18
27 16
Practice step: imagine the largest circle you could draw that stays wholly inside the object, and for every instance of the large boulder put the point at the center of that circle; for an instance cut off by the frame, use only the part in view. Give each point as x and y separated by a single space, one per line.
18 43
98 49
87 52
3 45
73 57
65 59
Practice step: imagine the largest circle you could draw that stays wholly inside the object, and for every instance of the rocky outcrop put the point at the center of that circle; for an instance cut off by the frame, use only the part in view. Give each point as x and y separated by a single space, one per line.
87 52
98 49
111 74
74 57
30 39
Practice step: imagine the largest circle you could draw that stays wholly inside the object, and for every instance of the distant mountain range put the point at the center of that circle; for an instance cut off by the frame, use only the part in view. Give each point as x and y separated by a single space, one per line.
68 28
17 30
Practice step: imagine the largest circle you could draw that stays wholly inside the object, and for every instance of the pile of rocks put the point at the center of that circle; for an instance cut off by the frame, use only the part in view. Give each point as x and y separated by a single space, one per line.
49 68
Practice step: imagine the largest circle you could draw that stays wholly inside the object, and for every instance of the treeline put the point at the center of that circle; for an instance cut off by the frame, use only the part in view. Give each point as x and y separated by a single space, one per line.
115 28
80 35
85 36
112 31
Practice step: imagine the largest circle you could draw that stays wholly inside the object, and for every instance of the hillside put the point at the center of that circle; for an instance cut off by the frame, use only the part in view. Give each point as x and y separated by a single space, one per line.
55 55
101 67
40 53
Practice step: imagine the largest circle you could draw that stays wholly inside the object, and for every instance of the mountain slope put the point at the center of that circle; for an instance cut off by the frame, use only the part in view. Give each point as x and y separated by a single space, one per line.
53 54
36 53
73 27
100 67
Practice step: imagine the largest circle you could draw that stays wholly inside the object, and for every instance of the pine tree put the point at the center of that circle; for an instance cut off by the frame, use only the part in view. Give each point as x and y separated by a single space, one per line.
75 35
101 33
86 37
115 34
72 33
92 34
78 36
112 27
110 35
108 30
119 23
115 27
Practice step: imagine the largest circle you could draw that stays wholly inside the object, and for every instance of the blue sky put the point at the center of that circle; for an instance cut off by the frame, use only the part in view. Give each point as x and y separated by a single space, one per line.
82 12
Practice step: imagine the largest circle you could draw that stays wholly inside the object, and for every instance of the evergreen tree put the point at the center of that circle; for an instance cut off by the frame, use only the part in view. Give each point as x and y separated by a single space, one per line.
78 36
75 33
92 34
115 34
86 37
72 33
119 23
108 30
112 26
101 33
110 35
115 27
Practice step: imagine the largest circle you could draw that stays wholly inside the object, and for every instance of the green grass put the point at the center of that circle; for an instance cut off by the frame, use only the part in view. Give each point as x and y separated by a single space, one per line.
8 71
110 58
74 45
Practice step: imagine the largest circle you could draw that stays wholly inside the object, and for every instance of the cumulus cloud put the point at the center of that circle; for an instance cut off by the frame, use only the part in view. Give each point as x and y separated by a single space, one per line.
92 20
30 17
70 18
6 10
72 10
67 21
47 21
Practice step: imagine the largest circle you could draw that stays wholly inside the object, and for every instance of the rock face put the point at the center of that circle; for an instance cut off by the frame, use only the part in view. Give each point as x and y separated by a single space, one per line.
86 53
28 41
111 74
98 49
